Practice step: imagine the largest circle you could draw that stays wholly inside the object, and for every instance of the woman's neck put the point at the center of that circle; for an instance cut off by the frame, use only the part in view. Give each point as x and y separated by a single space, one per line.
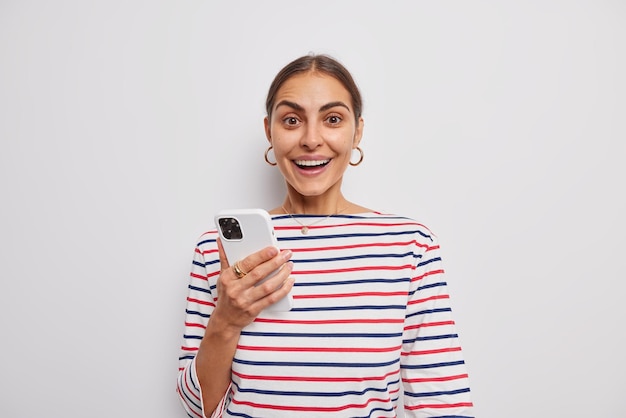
315 205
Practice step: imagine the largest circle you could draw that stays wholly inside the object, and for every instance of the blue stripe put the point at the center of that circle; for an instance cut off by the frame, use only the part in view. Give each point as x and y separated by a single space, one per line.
184 390
453 416
198 289
429 311
190 400
241 415
206 241
351 308
192 337
313 364
193 382
189 312
318 394
237 414
359 281
356 257
428 286
439 393
432 366
376 217
432 260
430 338
440 284
379 409
320 335
321 237
208 263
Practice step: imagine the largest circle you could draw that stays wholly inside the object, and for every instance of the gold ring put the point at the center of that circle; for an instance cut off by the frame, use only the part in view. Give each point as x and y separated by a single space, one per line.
238 271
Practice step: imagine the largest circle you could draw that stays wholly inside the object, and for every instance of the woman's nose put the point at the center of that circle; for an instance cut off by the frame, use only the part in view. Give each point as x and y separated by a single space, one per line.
312 137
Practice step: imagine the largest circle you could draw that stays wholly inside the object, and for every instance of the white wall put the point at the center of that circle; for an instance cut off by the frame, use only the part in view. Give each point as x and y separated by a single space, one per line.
125 125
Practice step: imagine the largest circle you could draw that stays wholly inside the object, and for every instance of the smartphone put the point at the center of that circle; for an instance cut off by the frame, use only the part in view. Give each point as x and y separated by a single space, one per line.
245 231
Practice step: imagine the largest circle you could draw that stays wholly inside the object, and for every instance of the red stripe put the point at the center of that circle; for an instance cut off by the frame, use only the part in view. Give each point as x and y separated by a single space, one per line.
330 321
191 324
315 378
437 351
347 295
198 276
415 302
436 379
380 224
201 302
310 408
189 407
209 232
353 269
192 392
439 406
429 324
428 273
320 349
189 348
348 247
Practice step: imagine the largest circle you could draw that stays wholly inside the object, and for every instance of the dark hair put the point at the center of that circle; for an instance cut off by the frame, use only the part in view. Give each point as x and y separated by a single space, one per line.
320 63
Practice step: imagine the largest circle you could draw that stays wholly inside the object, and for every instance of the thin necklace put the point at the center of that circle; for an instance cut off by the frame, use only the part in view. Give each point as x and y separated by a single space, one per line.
305 228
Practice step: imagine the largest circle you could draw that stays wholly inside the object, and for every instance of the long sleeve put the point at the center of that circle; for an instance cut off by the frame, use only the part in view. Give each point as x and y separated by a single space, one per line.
201 298
434 374
371 313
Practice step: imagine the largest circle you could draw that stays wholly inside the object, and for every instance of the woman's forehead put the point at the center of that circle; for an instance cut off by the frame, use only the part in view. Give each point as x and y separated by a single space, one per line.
312 88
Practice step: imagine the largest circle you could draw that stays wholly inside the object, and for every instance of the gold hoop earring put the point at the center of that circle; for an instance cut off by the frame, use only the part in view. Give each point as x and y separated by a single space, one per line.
360 158
267 160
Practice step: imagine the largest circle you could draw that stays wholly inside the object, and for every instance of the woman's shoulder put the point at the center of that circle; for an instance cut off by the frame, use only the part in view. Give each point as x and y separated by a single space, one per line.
391 219
208 237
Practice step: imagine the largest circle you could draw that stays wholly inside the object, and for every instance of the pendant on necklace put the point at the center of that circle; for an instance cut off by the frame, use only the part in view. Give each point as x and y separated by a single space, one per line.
304 230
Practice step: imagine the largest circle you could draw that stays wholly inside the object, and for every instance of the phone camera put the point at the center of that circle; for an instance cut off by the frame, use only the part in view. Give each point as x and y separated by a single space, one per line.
230 228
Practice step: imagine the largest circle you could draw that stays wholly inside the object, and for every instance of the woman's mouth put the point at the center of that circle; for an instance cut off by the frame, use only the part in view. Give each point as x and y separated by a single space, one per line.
311 164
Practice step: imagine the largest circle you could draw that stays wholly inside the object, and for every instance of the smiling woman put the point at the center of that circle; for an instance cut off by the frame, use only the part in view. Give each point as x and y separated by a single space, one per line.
313 130
371 316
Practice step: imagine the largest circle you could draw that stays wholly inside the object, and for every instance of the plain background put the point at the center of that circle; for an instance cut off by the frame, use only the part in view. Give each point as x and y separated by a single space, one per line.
125 125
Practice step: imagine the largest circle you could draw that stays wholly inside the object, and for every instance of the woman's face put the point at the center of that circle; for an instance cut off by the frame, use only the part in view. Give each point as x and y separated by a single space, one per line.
313 131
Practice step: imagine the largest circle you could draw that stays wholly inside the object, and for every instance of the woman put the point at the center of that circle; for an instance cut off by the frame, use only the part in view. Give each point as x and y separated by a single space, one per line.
371 316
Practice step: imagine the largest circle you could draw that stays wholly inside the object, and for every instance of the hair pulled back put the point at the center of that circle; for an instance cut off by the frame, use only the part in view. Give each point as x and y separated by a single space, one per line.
316 63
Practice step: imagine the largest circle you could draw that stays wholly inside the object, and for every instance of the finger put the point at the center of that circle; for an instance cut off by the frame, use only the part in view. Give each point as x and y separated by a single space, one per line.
275 280
255 259
274 289
223 260
267 268
281 291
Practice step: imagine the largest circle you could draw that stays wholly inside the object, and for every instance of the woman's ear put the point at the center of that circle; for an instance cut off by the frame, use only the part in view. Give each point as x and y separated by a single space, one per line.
268 133
358 134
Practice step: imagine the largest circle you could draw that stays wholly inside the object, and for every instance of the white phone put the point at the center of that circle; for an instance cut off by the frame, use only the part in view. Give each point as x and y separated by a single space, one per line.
245 231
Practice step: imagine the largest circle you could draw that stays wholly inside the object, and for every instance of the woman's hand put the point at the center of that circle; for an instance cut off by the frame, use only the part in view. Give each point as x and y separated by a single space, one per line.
239 299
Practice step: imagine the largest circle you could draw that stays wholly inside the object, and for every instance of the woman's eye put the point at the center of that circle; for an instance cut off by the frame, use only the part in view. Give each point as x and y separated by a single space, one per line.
291 120
333 120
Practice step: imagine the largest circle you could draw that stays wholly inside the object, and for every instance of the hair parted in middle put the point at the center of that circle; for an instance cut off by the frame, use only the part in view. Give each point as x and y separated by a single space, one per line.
321 63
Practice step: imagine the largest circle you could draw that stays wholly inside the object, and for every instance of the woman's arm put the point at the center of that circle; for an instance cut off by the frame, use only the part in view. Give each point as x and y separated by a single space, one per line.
201 299
434 374
206 376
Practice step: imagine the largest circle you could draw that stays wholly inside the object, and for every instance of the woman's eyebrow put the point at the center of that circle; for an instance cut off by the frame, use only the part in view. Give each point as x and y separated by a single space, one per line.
290 104
330 105
296 106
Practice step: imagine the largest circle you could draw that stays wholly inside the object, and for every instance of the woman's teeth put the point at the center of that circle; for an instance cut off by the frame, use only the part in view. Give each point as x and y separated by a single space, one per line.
311 163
